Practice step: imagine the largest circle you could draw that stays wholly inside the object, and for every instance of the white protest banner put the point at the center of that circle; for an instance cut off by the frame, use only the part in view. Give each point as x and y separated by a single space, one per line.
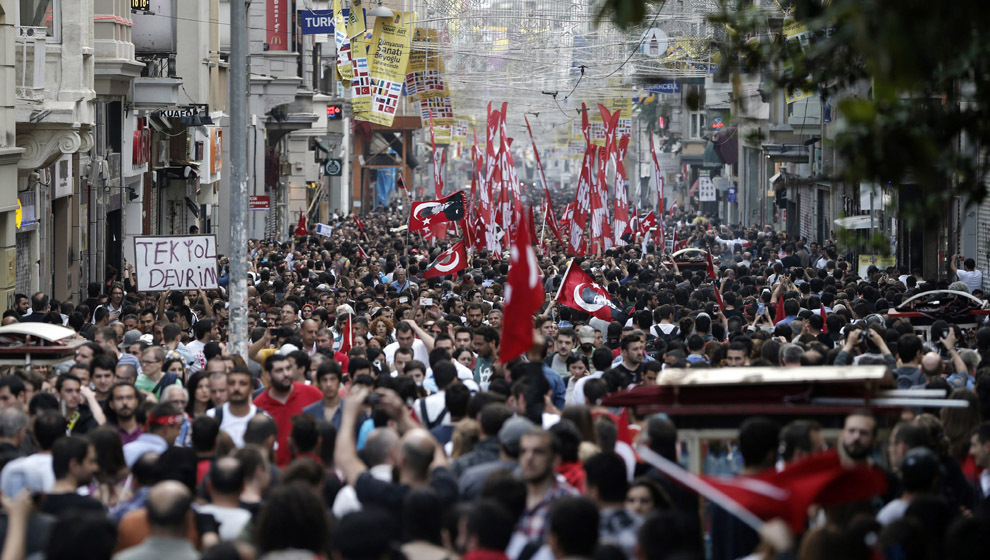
184 262
324 230
706 190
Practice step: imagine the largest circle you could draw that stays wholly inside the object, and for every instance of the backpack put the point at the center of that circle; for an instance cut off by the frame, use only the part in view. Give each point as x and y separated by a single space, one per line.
666 338
166 380
425 418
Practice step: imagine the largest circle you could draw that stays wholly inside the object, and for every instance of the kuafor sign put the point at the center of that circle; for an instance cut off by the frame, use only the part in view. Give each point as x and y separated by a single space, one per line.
185 262
259 202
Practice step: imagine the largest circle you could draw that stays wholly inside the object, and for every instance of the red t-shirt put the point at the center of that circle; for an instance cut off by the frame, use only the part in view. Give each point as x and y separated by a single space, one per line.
302 396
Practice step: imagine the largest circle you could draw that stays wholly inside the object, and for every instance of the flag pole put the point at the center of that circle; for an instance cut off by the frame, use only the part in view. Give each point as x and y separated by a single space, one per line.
564 279
697 484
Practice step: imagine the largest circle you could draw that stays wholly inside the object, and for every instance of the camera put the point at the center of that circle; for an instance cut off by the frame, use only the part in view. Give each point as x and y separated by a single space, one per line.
282 332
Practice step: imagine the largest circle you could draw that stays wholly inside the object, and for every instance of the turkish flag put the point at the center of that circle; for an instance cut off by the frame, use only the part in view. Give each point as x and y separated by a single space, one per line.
824 324
718 299
579 291
432 212
346 336
301 227
820 479
402 185
448 262
779 314
359 223
710 265
361 252
523 295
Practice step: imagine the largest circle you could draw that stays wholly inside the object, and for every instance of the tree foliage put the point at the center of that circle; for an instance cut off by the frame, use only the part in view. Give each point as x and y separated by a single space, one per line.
910 80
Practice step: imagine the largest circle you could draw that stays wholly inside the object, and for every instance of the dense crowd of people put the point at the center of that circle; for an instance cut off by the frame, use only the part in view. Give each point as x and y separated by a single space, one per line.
372 419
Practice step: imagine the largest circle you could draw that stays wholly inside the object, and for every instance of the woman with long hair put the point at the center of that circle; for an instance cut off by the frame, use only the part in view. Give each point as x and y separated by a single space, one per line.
175 365
199 394
958 424
111 485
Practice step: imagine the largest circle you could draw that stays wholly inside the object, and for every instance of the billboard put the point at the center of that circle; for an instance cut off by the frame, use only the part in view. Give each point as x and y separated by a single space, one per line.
154 32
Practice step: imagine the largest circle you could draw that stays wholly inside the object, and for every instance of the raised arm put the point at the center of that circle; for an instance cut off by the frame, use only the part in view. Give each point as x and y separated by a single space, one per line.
345 449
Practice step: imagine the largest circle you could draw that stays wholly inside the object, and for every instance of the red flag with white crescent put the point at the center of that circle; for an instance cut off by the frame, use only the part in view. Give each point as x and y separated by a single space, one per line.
523 294
448 262
579 291
430 213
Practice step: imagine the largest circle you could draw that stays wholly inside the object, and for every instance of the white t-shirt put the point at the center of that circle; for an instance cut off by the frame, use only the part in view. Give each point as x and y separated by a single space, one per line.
234 426
232 520
420 352
435 404
196 349
972 278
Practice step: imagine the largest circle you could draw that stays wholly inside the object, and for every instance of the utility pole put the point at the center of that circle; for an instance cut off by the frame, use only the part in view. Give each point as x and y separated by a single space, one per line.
238 289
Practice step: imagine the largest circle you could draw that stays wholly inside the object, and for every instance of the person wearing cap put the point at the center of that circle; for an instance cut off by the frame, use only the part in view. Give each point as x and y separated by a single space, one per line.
589 338
163 425
920 474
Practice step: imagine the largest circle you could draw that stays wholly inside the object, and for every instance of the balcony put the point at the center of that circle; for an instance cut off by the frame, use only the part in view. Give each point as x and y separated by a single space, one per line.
158 85
114 63
31 49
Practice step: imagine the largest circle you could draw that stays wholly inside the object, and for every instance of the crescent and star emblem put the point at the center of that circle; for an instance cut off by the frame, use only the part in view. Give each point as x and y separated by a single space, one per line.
451 264
579 300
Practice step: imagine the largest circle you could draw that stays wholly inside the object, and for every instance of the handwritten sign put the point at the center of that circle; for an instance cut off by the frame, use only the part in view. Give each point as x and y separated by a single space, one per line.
185 262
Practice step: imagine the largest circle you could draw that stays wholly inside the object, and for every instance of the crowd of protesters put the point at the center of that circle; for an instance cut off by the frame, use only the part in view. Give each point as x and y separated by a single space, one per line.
371 418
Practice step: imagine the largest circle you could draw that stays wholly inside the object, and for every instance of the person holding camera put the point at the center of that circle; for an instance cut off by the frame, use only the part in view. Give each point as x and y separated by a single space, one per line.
864 342
969 275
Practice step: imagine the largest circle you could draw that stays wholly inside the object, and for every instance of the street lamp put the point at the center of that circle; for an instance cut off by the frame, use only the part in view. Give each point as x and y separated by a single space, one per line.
380 11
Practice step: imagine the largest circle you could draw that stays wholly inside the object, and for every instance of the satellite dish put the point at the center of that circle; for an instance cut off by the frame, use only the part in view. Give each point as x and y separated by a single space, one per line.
654 43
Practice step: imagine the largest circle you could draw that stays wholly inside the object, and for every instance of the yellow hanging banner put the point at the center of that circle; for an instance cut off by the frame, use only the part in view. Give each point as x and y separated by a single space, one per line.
388 58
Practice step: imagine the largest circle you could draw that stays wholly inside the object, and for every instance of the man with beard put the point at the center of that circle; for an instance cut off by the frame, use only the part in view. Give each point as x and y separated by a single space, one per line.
235 414
123 402
284 399
475 315
857 439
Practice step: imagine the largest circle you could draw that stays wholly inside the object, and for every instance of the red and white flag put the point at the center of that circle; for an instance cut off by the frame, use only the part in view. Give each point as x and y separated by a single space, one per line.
361 252
820 479
346 336
448 262
718 299
709 265
579 291
621 216
402 185
523 295
429 213
301 227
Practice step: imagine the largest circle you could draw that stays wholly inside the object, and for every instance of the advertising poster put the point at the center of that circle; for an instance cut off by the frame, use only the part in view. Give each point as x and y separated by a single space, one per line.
388 58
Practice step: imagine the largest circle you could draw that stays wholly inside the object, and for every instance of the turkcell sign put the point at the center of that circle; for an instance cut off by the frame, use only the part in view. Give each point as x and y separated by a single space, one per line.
316 23
665 87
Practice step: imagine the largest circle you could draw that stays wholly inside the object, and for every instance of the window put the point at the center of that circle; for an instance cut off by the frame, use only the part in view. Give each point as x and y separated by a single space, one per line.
697 123
42 13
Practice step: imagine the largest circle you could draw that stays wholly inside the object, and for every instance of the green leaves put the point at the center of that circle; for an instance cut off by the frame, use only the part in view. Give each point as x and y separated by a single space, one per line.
624 13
